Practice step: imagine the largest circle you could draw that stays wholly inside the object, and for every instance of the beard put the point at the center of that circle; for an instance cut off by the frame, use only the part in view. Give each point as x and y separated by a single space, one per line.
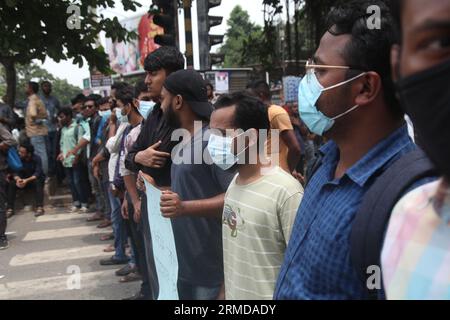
171 118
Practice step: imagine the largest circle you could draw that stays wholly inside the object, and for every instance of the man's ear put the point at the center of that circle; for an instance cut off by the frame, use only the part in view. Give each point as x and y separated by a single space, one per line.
369 89
395 62
178 102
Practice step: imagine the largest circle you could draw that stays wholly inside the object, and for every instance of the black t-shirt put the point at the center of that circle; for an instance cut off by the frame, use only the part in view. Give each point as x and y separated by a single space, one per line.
199 240
155 129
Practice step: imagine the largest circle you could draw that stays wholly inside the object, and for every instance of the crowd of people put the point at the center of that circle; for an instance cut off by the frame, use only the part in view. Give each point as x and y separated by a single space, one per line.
266 202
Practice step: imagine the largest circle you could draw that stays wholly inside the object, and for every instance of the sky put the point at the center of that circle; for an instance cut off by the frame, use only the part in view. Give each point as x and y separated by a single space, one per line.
75 75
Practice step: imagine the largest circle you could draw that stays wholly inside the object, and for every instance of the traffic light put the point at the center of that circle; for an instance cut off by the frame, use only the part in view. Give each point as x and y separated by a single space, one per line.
165 16
206 40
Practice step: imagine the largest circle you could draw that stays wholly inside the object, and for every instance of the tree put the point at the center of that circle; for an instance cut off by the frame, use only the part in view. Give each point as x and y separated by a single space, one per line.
61 89
240 32
36 29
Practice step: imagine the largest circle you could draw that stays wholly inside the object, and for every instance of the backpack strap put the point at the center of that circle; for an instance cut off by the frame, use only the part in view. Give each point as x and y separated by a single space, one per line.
373 215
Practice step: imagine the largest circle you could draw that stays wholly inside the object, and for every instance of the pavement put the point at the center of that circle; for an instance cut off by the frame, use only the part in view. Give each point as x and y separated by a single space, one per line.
56 257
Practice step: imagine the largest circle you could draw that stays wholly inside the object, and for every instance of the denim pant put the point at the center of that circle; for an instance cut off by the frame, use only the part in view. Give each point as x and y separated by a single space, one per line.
51 148
78 186
118 225
40 148
187 291
104 187
96 190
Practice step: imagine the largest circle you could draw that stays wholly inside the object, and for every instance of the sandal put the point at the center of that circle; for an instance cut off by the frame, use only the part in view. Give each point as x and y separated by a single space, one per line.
39 212
9 213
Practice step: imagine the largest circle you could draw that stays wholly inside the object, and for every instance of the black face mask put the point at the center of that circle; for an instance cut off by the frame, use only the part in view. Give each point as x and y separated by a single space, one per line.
425 97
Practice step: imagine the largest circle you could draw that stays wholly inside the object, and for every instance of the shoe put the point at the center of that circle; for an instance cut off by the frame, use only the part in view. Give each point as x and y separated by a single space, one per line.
112 261
138 296
9 213
84 210
39 212
125 270
74 209
4 244
134 276
104 224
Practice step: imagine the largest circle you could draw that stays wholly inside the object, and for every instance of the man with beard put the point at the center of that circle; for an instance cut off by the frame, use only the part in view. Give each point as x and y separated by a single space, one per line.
416 253
196 197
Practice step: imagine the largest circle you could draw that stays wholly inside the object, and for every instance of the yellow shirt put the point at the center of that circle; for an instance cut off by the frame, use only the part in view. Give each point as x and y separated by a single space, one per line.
279 120
35 111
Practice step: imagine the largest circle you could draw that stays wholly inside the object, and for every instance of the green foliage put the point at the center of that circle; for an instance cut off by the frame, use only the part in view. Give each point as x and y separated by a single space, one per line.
241 33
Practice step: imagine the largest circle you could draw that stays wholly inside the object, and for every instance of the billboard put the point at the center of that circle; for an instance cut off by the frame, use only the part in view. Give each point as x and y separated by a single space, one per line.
128 57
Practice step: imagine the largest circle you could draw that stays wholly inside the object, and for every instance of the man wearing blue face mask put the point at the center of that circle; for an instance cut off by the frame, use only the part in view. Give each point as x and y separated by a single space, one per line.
261 201
348 97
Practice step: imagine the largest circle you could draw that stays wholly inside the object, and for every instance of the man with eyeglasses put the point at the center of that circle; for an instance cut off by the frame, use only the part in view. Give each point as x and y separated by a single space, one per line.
348 97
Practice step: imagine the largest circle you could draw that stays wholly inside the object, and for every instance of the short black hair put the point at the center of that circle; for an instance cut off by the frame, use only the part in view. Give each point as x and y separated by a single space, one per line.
93 97
369 49
139 88
27 146
126 94
65 111
118 85
78 98
102 100
260 88
396 7
46 82
209 84
168 58
34 86
251 112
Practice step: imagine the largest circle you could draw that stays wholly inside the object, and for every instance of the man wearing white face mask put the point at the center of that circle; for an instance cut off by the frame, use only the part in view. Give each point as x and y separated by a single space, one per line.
348 97
260 203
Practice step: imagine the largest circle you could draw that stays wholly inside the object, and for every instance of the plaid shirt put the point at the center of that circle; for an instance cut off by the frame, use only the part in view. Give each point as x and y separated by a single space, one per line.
317 261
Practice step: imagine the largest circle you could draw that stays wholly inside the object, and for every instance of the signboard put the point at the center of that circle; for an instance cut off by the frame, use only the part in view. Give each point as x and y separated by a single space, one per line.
290 88
100 81
163 242
222 82
128 57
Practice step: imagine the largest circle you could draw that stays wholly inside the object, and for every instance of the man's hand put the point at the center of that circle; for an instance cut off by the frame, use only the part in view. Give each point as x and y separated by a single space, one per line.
21 183
60 157
96 171
137 211
140 185
124 209
72 152
152 158
171 204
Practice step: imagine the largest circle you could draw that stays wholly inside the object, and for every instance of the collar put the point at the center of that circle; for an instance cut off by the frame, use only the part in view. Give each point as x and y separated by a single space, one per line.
372 161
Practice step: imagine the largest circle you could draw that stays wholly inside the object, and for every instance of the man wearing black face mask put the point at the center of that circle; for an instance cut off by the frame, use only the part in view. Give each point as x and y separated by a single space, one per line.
416 255
347 96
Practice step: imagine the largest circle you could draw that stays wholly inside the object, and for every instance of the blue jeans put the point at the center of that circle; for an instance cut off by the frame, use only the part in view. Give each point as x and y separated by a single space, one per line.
187 291
40 148
118 225
77 185
51 148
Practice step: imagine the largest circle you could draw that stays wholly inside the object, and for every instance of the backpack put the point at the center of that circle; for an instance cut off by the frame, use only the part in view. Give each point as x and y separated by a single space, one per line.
372 217
13 159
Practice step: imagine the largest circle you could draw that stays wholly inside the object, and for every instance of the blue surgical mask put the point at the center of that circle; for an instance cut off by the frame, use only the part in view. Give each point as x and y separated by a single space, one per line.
145 108
309 92
219 149
79 117
105 114
122 118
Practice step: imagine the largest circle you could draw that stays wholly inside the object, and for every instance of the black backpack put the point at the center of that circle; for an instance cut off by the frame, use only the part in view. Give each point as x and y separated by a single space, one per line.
372 217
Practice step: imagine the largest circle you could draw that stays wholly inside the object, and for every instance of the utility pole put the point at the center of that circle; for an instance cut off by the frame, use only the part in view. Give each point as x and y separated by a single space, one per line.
187 4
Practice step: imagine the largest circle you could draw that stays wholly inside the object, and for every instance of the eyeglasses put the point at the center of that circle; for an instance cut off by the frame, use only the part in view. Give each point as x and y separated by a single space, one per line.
87 106
313 68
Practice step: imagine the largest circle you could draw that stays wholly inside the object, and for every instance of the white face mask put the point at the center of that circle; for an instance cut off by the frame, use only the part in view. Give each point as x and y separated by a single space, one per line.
145 108
219 149
122 118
